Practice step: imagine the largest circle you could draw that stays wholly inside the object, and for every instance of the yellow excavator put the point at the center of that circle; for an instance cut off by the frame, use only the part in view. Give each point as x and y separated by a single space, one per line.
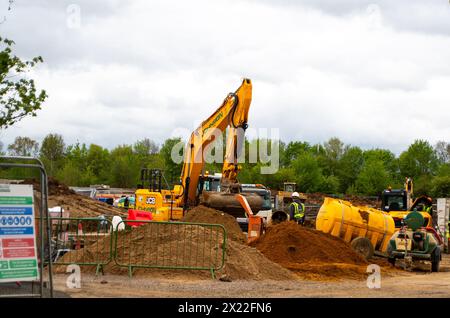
399 203
172 204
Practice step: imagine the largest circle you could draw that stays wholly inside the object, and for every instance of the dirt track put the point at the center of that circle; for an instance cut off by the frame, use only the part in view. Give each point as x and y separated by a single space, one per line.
403 284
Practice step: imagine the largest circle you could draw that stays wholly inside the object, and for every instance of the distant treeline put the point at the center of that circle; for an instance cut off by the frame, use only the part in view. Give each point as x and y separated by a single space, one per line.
330 167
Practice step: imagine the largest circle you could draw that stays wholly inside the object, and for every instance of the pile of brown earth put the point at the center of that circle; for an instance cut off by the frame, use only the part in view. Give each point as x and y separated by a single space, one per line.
310 253
54 186
286 251
203 214
171 245
77 205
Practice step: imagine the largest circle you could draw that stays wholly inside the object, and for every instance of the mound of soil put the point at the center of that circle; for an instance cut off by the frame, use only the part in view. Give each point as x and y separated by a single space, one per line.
203 214
310 253
164 245
54 186
77 205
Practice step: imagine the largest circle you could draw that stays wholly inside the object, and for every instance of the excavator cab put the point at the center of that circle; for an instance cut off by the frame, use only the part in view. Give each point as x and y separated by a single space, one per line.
151 179
289 186
398 203
394 200
209 182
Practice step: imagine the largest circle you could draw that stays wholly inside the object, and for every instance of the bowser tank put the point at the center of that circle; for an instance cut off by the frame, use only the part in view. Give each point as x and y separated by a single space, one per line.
368 230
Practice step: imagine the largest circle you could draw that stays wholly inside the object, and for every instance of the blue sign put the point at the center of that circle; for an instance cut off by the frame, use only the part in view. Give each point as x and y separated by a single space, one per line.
16 230
15 210
10 220
22 221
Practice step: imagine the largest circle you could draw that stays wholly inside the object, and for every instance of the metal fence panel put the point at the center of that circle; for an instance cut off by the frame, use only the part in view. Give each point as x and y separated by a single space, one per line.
43 224
171 245
82 241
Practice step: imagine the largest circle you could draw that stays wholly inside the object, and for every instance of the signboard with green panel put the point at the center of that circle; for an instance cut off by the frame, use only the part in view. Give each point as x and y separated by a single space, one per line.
18 253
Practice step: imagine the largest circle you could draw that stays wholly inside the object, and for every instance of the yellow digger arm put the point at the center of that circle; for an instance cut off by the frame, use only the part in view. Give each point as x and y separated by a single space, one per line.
234 113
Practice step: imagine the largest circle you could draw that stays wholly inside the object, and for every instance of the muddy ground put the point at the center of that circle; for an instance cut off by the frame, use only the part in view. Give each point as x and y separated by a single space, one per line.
419 283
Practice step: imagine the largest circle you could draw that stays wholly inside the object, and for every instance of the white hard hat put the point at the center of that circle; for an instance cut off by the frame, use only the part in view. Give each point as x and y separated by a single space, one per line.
295 195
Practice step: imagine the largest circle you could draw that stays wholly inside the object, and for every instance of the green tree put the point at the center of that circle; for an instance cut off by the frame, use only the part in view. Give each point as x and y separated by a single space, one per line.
330 184
349 167
124 169
293 150
390 163
419 160
172 169
24 146
146 153
308 174
77 154
334 149
373 179
18 94
98 163
145 147
70 174
52 152
440 185
442 150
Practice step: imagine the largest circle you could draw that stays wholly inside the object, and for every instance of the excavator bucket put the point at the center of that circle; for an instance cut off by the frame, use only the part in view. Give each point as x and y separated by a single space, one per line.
228 203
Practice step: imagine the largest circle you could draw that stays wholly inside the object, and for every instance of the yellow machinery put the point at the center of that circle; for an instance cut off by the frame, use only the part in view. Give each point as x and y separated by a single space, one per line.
170 204
282 201
398 203
368 230
162 203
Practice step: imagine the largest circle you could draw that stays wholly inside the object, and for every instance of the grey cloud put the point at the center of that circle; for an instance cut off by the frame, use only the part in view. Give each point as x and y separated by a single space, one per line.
146 68
429 16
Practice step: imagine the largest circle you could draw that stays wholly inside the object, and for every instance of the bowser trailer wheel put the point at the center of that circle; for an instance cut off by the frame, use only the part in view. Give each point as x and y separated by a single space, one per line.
363 246
435 259
391 261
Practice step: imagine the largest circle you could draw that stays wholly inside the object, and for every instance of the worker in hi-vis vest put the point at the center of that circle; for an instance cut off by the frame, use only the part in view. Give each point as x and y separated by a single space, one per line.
297 209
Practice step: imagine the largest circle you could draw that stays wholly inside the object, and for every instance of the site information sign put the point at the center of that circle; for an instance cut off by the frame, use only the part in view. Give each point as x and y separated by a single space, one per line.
443 211
18 253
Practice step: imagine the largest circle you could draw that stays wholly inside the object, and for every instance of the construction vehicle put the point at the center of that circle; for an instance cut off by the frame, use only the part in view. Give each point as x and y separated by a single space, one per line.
399 202
171 204
368 230
414 243
282 201
266 209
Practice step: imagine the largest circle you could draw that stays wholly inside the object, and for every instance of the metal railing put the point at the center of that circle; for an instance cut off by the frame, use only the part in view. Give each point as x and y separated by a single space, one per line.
171 245
82 241
43 226
161 245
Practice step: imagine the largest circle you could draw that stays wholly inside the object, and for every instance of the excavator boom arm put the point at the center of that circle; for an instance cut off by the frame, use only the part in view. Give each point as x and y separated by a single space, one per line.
234 113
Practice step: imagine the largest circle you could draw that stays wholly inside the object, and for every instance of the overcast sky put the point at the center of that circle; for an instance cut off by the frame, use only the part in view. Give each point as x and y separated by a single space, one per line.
373 73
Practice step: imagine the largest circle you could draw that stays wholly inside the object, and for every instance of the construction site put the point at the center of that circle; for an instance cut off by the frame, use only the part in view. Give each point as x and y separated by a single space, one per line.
212 236
133 204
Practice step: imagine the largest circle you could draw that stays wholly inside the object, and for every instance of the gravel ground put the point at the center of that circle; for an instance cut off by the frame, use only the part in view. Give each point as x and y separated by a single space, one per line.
419 283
